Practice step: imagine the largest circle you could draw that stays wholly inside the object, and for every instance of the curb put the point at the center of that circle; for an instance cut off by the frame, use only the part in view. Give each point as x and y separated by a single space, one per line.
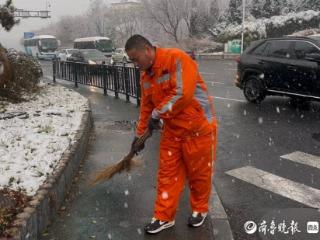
219 220
48 199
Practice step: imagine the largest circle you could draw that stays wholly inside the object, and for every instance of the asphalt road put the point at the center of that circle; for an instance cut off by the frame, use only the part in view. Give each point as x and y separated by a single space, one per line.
253 138
255 177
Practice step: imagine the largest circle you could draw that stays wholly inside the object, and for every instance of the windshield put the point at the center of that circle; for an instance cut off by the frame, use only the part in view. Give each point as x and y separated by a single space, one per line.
48 44
70 51
92 54
119 50
104 45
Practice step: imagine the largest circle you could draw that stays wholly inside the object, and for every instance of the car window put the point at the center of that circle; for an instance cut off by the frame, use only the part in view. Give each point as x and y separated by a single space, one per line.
302 48
280 49
70 51
77 55
261 49
92 54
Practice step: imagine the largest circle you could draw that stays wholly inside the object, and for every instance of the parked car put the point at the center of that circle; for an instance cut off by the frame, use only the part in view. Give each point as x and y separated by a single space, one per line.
89 56
120 55
280 66
64 54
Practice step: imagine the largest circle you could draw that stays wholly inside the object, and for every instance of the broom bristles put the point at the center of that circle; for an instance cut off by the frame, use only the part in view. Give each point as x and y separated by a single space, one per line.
110 171
125 164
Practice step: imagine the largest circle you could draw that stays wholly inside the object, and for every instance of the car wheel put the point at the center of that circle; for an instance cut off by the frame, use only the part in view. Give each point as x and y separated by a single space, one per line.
254 90
300 103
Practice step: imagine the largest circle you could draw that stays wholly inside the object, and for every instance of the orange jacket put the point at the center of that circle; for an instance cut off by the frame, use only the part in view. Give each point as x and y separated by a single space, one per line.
174 91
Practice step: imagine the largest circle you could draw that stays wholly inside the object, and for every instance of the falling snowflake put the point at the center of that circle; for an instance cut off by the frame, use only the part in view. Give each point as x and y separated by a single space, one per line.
209 164
129 177
261 76
164 195
260 120
126 192
125 205
244 112
109 236
278 110
176 179
139 231
228 105
169 153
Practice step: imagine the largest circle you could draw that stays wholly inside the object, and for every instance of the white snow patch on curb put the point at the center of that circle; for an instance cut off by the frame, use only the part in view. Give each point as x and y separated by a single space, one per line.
31 148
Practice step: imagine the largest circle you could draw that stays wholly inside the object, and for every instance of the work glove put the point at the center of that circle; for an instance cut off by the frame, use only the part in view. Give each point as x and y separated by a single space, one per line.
135 147
154 124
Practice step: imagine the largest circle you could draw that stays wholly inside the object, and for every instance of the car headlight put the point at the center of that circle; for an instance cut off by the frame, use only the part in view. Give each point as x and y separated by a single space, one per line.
92 62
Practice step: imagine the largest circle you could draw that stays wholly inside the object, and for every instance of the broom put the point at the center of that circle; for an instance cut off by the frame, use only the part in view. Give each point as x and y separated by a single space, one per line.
125 164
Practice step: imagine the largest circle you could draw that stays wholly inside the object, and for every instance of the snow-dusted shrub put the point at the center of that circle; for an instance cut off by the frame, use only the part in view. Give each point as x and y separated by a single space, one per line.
21 74
276 26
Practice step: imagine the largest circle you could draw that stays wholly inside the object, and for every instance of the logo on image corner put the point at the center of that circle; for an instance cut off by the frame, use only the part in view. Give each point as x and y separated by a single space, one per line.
250 227
312 227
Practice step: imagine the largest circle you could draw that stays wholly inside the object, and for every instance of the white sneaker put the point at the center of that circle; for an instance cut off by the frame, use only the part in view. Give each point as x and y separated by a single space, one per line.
157 226
196 219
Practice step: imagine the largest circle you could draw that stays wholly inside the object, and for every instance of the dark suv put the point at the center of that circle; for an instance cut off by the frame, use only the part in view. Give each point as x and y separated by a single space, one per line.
280 66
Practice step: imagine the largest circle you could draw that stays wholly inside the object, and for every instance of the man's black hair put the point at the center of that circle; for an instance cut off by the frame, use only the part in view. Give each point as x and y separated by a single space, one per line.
137 41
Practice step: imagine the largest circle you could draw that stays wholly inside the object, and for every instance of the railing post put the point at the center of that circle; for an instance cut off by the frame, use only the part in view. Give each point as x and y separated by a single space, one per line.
104 79
126 83
115 82
54 67
75 75
138 90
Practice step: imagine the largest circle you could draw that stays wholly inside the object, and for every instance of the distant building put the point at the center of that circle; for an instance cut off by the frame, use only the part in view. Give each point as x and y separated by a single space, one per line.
125 4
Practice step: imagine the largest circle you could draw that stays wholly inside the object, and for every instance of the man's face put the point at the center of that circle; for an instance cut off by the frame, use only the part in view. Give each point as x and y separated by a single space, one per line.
142 58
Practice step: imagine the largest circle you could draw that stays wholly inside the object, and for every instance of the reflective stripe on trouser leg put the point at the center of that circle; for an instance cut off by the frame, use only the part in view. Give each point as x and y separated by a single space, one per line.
198 158
171 179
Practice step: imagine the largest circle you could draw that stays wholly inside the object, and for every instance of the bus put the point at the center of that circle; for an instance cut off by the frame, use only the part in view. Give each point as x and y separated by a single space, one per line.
103 44
41 46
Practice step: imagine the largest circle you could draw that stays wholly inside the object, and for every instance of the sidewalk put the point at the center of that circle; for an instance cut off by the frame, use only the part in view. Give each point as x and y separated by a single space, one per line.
120 207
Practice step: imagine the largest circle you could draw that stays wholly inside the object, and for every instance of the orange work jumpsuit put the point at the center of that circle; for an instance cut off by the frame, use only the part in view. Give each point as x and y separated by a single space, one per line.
173 90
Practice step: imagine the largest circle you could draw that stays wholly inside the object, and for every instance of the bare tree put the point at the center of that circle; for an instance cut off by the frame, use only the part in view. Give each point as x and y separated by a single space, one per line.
7 15
96 16
167 13
124 22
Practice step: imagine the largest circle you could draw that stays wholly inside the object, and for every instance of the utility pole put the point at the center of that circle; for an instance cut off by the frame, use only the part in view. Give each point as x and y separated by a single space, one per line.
243 19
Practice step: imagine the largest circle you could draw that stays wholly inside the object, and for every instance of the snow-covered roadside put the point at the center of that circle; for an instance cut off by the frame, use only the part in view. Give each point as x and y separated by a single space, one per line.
32 144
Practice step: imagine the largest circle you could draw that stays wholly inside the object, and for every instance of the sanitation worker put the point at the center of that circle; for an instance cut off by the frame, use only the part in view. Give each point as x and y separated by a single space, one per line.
173 90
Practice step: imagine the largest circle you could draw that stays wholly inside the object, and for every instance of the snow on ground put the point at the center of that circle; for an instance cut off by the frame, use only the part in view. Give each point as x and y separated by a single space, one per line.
30 148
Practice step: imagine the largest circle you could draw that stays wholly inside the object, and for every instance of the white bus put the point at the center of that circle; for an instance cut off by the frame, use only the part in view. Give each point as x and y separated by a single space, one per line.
103 44
41 46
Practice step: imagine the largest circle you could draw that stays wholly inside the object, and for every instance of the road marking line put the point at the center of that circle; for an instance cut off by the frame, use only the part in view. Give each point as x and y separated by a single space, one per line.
207 73
215 82
295 191
230 99
230 69
303 158
216 208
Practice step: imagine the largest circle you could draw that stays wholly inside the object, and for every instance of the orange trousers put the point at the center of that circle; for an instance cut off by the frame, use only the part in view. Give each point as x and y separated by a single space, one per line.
180 159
